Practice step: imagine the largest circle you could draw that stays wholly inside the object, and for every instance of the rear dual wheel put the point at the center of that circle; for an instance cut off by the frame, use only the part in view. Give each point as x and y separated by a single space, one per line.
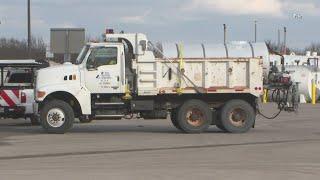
236 116
194 116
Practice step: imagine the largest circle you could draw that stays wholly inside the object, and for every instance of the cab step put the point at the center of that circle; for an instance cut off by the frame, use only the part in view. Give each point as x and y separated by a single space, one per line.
109 103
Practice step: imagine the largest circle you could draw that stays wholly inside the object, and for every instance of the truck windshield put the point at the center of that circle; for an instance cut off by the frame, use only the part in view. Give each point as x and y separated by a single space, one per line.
82 54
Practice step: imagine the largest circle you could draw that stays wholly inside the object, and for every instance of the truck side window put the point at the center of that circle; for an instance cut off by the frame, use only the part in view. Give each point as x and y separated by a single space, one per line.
103 56
20 78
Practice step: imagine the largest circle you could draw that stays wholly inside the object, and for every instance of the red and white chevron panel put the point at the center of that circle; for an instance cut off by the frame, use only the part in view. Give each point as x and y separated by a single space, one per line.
9 98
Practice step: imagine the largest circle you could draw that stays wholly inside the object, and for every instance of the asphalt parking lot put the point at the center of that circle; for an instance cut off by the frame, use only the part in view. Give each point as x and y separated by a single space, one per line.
285 148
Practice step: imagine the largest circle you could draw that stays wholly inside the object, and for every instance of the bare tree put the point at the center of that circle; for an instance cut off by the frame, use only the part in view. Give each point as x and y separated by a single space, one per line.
274 47
314 47
11 48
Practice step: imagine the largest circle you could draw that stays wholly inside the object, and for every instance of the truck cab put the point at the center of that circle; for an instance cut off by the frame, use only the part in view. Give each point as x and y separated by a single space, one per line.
103 68
99 69
97 79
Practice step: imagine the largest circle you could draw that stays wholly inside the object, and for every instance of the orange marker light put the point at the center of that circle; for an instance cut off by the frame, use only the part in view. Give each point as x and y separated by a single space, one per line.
41 94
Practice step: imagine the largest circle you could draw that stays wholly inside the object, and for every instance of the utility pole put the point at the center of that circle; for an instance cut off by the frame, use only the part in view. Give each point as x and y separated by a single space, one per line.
255 31
224 33
29 30
279 40
285 40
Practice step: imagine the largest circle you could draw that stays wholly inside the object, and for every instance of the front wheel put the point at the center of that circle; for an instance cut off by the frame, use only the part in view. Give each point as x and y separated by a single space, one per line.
56 117
237 116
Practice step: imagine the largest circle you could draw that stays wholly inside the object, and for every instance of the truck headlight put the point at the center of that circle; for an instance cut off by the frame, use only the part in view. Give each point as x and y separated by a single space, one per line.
41 94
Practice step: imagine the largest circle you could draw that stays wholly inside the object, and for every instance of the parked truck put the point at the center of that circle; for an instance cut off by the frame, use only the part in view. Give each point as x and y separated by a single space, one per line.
17 88
121 77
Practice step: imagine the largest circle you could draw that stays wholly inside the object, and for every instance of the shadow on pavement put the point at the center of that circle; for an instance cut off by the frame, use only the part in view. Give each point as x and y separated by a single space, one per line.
27 128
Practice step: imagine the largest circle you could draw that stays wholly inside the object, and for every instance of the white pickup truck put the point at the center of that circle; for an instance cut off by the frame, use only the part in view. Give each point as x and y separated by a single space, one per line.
17 88
121 77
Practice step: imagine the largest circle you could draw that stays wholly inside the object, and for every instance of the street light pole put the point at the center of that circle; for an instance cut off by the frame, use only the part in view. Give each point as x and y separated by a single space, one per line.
29 30
279 40
255 31
224 33
285 40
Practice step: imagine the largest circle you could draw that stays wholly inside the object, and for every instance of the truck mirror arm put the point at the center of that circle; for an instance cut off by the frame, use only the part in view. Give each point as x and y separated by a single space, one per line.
91 67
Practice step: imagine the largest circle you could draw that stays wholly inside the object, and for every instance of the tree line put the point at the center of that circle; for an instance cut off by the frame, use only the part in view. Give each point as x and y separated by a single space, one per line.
274 47
11 48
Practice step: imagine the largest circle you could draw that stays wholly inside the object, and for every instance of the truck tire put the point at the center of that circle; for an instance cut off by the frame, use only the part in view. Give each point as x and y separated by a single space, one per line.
174 120
56 117
237 116
85 120
194 116
34 120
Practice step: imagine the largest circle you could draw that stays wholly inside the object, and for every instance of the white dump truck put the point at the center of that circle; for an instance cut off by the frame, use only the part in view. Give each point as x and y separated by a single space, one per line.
121 77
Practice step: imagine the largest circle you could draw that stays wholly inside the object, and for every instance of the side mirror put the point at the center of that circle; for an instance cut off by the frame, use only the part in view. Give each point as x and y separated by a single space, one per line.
91 67
142 47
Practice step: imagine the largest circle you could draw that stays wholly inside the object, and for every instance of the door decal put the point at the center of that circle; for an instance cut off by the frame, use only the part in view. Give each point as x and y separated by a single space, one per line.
104 79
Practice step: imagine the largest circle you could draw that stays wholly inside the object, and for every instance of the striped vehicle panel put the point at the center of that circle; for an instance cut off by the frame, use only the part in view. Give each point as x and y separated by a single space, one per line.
10 98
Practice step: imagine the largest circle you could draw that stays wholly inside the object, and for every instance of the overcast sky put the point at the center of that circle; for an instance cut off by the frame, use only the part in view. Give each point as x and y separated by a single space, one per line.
169 20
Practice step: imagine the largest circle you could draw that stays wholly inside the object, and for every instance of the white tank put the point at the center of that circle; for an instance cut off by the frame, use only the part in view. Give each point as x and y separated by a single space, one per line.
308 53
293 59
304 76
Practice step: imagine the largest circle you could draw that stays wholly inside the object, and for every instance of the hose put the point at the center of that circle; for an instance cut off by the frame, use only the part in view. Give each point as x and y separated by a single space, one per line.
280 100
267 117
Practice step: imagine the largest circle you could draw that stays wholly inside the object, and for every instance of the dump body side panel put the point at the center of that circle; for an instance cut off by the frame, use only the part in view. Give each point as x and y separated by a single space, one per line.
232 75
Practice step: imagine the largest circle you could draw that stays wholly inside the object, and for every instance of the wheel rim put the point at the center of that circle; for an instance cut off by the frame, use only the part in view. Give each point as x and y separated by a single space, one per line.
195 117
238 117
56 117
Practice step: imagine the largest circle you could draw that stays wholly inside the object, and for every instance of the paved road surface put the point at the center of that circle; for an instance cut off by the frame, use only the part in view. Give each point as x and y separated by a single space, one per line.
286 148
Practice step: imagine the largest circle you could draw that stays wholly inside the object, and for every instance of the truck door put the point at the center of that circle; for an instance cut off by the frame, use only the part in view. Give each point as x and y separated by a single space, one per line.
103 72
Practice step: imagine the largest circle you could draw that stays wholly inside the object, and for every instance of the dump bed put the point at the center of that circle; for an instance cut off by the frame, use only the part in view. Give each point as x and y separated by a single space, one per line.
215 75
